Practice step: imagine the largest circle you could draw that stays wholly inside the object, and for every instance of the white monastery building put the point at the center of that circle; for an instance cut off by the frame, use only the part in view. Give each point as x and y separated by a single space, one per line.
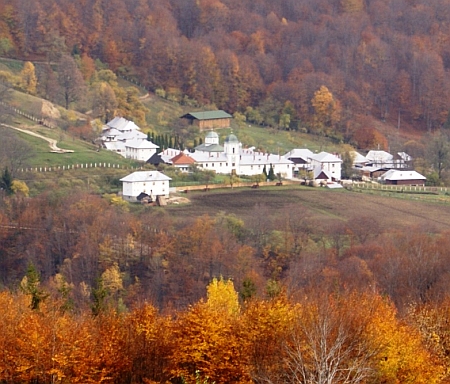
233 158
326 166
140 150
151 183
125 138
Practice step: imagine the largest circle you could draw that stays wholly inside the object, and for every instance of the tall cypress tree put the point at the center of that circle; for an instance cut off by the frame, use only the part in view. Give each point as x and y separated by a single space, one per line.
271 173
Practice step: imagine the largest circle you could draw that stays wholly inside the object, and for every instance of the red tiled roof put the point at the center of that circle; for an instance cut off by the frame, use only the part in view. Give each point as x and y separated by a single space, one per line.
181 159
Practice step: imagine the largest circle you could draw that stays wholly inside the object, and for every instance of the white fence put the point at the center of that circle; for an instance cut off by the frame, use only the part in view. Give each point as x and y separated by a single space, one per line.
77 166
400 188
41 121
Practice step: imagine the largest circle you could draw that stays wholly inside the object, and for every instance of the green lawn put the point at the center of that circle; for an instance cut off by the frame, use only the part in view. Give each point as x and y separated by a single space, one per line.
83 152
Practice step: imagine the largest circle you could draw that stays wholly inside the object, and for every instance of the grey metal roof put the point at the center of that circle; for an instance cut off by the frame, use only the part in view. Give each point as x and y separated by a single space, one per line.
209 148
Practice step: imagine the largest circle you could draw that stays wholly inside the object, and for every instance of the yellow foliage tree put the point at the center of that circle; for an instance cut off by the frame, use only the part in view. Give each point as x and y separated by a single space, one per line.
209 344
222 296
326 109
401 355
28 78
267 325
350 6
20 188
150 345
112 279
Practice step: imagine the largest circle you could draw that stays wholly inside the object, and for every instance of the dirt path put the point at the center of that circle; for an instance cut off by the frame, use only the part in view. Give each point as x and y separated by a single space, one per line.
51 142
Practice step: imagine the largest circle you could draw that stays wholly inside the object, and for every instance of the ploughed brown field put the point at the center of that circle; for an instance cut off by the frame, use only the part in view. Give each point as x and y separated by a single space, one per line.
322 204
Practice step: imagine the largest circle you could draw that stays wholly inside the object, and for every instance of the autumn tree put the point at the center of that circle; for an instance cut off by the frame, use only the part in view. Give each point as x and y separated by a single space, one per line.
326 109
327 345
104 101
267 324
28 78
15 152
70 81
151 344
208 338
370 138
347 164
439 153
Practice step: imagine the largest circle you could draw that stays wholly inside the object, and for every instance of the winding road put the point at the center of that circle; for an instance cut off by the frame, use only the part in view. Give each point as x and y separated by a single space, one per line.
51 142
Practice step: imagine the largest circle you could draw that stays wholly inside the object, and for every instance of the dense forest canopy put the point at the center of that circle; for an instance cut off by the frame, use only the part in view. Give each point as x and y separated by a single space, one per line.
98 294
385 59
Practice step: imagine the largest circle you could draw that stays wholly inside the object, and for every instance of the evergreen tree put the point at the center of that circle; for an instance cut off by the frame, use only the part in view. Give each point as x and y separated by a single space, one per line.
248 289
99 294
271 175
30 286
265 172
6 181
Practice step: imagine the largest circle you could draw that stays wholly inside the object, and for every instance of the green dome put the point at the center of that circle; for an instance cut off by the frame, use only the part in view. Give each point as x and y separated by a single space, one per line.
212 135
231 139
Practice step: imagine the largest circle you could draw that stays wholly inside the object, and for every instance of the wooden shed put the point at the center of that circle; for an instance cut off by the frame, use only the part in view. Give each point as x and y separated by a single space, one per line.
209 119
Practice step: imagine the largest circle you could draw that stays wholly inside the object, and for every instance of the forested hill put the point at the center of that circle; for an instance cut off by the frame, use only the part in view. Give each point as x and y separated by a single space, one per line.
381 58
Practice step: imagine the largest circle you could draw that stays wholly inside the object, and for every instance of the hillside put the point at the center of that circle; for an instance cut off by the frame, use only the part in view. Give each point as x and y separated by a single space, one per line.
268 60
68 127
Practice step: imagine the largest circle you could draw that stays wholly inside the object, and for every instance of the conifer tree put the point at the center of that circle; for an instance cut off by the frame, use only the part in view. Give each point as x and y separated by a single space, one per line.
30 286
271 175
6 181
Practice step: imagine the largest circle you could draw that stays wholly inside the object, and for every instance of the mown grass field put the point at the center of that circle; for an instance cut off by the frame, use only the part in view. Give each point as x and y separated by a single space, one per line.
324 206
